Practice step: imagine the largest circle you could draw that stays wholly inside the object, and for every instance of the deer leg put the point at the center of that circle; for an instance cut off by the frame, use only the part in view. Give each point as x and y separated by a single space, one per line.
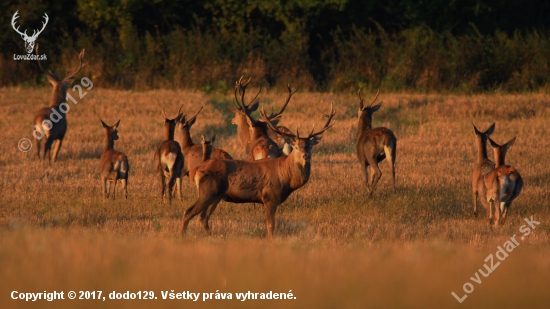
105 195
270 219
390 156
474 196
125 187
47 148
178 187
162 184
366 172
375 177
114 187
56 149
496 219
200 207
38 144
504 212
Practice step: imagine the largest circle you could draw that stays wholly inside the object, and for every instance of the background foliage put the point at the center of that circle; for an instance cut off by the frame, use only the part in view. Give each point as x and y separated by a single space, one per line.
325 45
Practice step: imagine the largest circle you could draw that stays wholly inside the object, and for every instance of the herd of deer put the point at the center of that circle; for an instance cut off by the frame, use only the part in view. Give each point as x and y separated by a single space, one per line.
279 161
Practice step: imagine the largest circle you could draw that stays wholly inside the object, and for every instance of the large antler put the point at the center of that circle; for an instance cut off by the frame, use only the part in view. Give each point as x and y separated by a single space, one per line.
48 72
327 125
81 60
290 93
240 86
362 100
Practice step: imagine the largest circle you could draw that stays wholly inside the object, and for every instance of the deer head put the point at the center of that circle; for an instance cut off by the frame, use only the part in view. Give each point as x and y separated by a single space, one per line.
301 146
29 40
60 85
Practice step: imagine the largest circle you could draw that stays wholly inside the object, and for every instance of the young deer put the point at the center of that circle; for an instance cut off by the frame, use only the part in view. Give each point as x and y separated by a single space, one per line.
192 153
503 184
170 159
113 164
254 135
54 132
206 154
483 167
268 181
374 145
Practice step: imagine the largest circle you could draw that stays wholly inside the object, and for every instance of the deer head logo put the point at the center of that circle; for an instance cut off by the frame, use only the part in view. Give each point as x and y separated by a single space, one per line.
29 40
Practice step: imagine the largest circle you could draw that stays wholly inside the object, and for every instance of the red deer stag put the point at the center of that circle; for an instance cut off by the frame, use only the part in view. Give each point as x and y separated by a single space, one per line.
113 164
268 181
503 184
483 167
248 136
374 145
192 153
52 120
170 159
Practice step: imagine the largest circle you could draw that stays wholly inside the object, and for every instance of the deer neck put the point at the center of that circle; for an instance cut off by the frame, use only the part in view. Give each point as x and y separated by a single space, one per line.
244 133
109 142
59 95
184 138
365 124
295 172
168 132
481 149
500 156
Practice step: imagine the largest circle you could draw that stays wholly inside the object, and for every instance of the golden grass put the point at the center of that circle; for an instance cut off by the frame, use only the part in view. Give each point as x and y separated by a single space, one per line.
334 247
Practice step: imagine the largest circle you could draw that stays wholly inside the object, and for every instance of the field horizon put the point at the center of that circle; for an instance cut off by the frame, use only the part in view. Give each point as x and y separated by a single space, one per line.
333 246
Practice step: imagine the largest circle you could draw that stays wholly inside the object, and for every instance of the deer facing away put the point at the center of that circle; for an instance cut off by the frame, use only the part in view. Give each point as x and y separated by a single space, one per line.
503 184
54 132
483 167
192 153
113 164
268 181
374 145
169 159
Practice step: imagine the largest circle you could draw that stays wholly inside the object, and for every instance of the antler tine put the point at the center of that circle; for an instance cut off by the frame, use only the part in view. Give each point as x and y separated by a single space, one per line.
257 94
272 127
179 110
81 59
328 124
196 114
290 93
376 97
48 72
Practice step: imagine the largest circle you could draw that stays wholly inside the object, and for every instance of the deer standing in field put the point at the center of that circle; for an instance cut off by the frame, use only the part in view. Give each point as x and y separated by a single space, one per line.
192 153
207 147
374 145
113 164
254 135
52 120
268 181
170 159
483 167
503 184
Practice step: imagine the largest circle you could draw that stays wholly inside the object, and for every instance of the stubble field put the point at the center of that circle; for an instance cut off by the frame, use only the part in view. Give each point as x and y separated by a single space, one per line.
334 246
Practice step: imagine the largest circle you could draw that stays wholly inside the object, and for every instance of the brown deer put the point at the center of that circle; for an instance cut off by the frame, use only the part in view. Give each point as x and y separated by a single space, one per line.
52 120
206 153
268 181
113 164
170 159
483 167
257 135
192 153
503 184
374 145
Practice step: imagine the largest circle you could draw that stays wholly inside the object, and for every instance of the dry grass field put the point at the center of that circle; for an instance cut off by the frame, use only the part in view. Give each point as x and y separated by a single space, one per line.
334 247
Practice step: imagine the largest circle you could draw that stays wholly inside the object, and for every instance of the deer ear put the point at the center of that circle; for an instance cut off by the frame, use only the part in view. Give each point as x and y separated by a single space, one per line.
376 107
510 143
490 130
315 140
202 139
213 139
253 107
103 123
476 131
116 125
192 121
493 144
